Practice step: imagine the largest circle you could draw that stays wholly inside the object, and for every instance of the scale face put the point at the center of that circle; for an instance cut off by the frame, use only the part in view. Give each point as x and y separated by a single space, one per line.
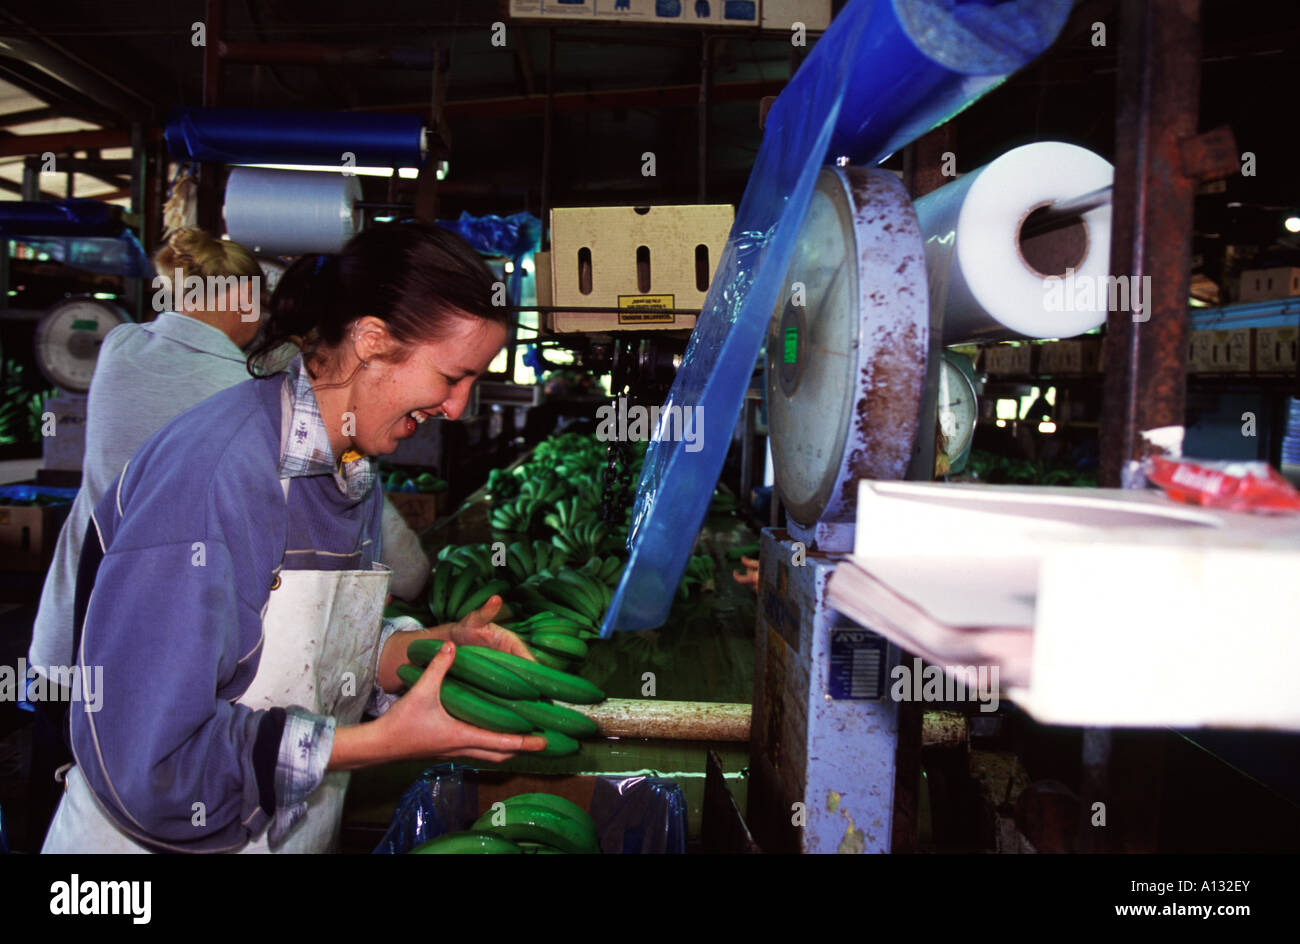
846 345
68 338
958 408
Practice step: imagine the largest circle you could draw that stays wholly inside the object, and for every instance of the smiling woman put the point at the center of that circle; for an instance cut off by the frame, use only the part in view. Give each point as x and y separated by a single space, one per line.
411 298
254 519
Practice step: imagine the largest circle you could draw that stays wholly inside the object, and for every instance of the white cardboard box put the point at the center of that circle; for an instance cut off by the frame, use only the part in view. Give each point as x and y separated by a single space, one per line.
647 258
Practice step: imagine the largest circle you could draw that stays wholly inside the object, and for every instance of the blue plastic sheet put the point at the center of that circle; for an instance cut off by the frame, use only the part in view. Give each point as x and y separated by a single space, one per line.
637 814
79 232
264 136
517 236
883 74
25 493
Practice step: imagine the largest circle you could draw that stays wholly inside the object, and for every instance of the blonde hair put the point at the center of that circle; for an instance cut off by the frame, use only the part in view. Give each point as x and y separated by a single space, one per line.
196 253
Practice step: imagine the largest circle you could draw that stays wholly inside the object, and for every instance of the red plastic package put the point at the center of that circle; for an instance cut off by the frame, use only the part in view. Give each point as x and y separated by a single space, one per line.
1231 486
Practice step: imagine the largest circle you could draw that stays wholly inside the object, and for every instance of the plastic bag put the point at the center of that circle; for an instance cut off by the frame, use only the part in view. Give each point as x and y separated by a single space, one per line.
1229 486
639 814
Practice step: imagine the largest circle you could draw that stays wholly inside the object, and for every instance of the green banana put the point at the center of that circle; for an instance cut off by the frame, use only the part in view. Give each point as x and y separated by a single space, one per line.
480 597
464 580
471 667
551 661
461 703
551 801
463 843
568 647
538 824
552 683
586 587
558 744
438 590
545 715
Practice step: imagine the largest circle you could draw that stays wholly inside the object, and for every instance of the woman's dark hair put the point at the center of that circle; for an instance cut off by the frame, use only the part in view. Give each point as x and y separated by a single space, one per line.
413 276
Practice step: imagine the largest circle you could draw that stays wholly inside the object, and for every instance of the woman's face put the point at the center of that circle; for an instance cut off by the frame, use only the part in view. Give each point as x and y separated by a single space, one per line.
390 400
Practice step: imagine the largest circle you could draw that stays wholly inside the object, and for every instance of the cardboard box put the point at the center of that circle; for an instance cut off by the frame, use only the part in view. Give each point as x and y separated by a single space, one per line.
1221 352
1259 285
644 258
731 13
66 449
815 15
1008 359
1275 350
552 9
1060 357
419 509
28 534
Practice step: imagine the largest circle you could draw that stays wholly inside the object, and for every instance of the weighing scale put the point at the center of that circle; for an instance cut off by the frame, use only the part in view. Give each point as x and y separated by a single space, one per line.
850 396
68 338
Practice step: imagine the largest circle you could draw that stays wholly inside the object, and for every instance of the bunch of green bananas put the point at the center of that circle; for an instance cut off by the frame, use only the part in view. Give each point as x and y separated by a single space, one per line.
566 515
463 582
524 560
608 569
699 572
555 640
572 594
499 691
723 503
526 823
514 516
585 539
544 489
502 485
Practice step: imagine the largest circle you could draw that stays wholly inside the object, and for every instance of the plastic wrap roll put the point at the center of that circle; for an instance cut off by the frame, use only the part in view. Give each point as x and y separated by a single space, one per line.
885 72
263 136
286 212
988 271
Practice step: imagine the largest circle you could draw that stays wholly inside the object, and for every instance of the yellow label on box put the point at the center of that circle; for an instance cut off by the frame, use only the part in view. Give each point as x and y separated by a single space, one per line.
651 309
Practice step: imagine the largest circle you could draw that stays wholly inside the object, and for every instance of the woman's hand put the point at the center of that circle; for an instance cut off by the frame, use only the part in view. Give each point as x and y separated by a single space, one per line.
750 576
477 629
417 727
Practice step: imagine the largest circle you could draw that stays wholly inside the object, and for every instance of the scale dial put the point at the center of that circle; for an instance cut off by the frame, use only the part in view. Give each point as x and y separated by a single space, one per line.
846 345
68 338
958 409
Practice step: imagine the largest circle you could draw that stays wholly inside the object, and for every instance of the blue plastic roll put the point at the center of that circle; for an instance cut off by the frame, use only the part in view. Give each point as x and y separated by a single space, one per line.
884 73
263 136
78 216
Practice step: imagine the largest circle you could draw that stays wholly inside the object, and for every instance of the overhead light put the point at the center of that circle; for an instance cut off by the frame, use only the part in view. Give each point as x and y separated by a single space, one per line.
1047 427
442 170
528 266
510 267
383 219
406 172
1292 224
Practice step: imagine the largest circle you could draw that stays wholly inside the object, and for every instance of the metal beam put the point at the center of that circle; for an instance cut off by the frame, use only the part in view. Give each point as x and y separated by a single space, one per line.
671 96
26 144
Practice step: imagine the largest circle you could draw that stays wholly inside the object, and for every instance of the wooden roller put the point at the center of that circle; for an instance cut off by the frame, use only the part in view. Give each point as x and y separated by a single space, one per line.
669 720
724 721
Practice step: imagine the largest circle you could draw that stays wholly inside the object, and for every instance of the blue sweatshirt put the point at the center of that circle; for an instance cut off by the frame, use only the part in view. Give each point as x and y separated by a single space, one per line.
191 539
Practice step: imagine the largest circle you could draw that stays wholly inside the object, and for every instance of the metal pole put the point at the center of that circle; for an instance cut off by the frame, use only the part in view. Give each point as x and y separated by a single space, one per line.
1151 232
549 122
706 83
1145 387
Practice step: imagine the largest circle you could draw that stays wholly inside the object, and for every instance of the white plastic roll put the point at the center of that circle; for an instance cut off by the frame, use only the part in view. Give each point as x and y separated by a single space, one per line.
990 280
291 212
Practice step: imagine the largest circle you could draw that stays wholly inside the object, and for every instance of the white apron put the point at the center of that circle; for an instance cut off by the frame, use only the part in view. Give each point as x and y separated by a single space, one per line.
320 634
